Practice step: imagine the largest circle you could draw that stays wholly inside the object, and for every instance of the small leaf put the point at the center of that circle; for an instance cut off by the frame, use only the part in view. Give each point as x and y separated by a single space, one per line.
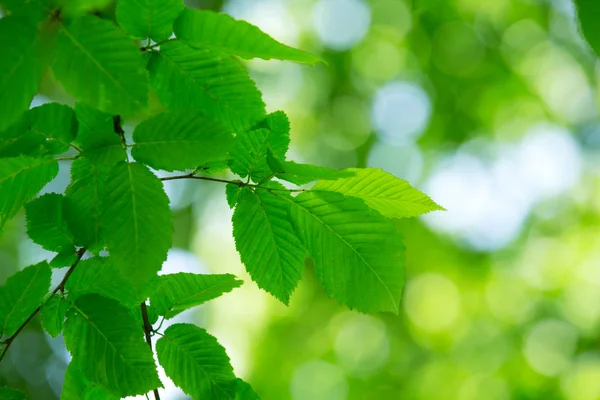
96 137
196 362
46 223
76 387
137 222
98 64
148 18
21 178
180 140
300 174
232 192
244 391
266 241
587 12
383 192
65 258
11 394
220 32
53 314
181 291
107 345
22 293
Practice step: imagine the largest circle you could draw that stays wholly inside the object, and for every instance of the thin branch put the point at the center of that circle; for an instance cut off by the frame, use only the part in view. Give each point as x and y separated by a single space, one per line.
76 148
61 287
147 331
66 158
203 178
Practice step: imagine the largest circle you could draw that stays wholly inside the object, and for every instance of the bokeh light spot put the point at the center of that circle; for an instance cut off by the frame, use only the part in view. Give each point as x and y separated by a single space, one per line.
549 345
341 24
319 380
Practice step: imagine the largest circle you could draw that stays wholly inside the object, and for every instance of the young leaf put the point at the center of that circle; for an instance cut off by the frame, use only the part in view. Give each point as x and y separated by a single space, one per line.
187 79
232 192
383 192
148 18
178 292
22 293
21 65
99 275
180 140
266 241
244 391
98 64
222 33
107 345
46 224
587 12
137 224
300 174
21 178
358 254
53 314
11 394
83 203
96 137
65 258
196 362
76 387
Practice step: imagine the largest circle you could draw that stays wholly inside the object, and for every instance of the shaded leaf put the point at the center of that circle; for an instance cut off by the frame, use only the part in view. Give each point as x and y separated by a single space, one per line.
244 391
96 137
46 223
300 174
148 18
53 314
11 394
65 258
76 387
587 12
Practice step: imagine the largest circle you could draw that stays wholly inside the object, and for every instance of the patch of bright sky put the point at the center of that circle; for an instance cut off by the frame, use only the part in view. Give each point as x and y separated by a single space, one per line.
341 24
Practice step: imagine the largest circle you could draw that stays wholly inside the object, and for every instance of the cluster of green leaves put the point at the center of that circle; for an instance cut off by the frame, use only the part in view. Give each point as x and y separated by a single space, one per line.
209 117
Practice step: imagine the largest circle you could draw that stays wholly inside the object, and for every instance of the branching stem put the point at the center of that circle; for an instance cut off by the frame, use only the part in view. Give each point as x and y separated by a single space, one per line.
238 183
147 332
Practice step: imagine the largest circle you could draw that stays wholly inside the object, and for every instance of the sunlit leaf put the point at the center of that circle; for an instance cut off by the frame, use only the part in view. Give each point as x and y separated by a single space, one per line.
244 391
96 136
148 18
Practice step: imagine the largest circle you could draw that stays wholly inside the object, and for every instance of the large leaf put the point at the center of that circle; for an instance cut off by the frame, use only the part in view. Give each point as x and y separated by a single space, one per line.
99 65
187 79
21 65
108 346
99 275
83 203
11 394
588 11
180 140
220 32
76 387
46 223
300 174
244 391
358 254
265 239
148 18
196 362
137 224
181 291
382 191
22 293
53 314
21 178
96 136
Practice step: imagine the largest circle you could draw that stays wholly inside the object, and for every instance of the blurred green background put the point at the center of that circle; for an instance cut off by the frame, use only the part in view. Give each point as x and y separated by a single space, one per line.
491 108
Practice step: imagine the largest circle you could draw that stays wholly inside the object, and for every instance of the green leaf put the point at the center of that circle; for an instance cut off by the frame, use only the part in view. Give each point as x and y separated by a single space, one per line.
99 65
137 222
11 394
196 362
588 11
21 178
180 140
181 291
65 258
76 387
187 79
213 167
108 346
358 254
300 174
264 237
99 275
83 203
382 191
148 18
222 33
22 293
46 224
53 314
244 391
232 192
96 136
21 65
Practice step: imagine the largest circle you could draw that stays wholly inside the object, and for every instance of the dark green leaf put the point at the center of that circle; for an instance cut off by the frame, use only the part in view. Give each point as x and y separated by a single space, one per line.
148 18
65 258
588 11
46 224
96 137
53 314
11 394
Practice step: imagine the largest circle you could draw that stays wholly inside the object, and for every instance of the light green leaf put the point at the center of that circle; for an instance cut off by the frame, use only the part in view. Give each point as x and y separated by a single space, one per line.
382 191
99 65
220 32
96 136
358 254
22 293
181 291
22 66
587 12
180 140
11 394
264 237
108 346
53 314
232 192
187 79
300 174
148 18
137 222
196 362
65 258
244 391
21 178
213 167
76 387
46 224
99 275
83 203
